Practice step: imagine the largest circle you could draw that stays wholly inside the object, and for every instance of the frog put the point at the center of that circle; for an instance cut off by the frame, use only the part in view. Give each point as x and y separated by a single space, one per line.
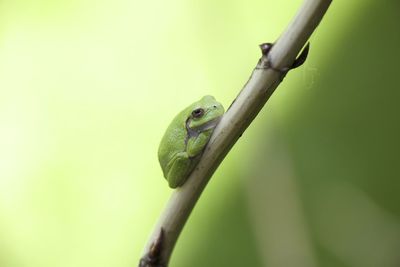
183 142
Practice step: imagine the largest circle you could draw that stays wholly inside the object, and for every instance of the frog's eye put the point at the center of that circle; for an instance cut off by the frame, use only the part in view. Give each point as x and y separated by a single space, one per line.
197 113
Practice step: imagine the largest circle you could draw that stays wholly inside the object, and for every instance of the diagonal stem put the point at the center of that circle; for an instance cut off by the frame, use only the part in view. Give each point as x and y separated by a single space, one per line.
241 113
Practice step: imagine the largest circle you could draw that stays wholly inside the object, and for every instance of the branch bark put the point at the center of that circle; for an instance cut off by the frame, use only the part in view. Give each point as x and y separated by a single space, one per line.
241 113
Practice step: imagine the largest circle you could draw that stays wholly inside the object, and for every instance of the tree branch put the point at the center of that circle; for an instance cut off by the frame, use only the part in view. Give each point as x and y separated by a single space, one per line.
262 83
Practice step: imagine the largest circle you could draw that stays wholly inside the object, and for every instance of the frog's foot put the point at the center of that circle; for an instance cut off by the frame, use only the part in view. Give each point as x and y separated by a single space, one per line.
266 64
179 169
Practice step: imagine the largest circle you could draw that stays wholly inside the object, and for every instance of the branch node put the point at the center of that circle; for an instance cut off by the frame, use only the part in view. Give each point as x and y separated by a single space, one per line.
152 257
265 61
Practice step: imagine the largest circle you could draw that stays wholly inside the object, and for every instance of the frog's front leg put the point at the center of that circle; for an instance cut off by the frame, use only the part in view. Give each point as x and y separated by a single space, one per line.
178 169
195 145
182 163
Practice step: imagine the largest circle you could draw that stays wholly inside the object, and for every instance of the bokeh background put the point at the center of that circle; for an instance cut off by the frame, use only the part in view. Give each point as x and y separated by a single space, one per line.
88 87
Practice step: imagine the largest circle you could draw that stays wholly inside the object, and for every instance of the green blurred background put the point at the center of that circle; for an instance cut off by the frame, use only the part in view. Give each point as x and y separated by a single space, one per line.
87 89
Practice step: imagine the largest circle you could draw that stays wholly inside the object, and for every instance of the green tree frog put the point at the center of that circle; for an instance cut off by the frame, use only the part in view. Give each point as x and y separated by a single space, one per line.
187 135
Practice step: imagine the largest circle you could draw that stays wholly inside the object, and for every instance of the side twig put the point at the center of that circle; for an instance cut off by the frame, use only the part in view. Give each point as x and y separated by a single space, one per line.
267 75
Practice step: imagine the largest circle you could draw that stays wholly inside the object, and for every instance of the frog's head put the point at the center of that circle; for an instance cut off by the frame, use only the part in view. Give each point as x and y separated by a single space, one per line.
205 114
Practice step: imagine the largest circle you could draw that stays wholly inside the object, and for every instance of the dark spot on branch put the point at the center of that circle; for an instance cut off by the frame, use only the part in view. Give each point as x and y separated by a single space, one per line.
152 257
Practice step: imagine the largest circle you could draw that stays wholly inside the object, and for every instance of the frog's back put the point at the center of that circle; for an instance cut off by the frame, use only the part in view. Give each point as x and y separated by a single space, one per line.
174 139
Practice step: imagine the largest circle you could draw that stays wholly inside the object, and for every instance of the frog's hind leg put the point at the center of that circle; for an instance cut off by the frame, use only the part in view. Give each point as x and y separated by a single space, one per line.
179 170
